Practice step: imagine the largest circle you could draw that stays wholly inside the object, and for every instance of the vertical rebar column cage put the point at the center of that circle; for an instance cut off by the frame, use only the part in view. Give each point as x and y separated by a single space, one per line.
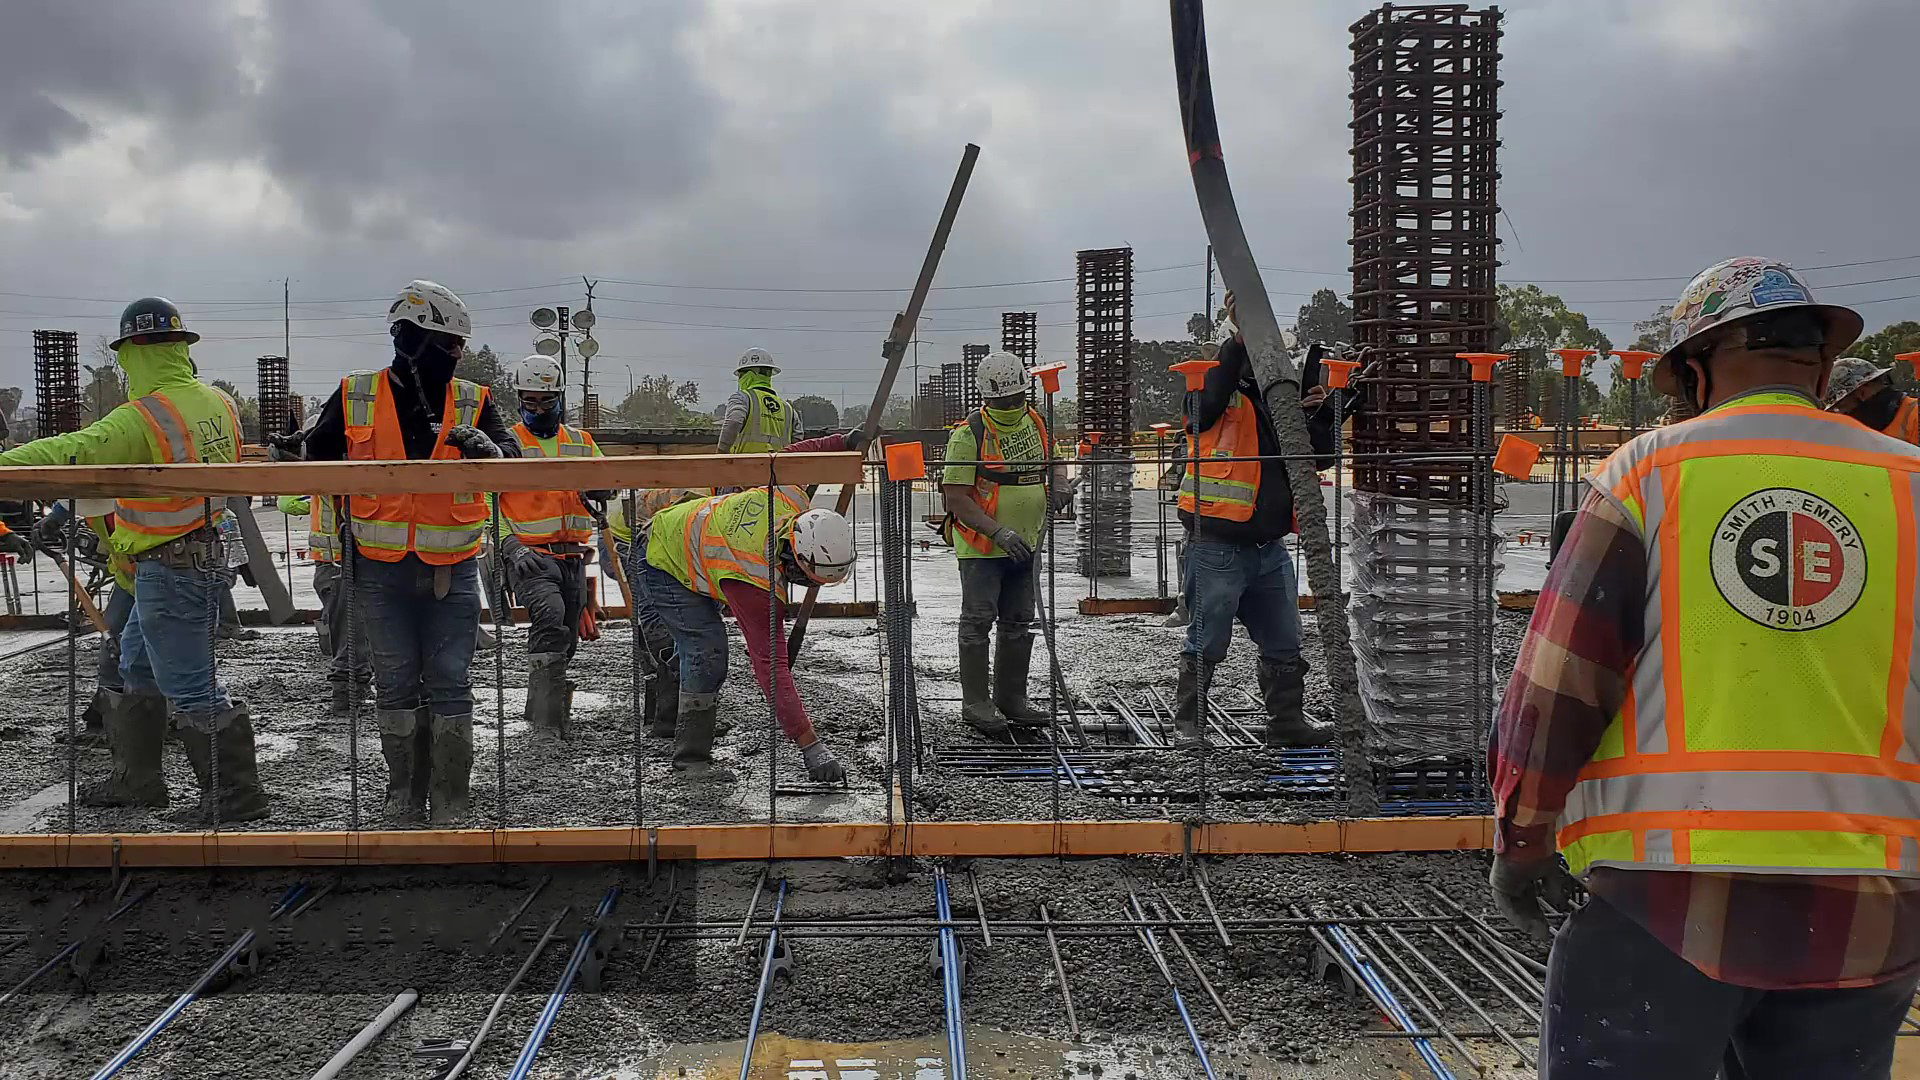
952 398
1425 142
931 411
970 356
1020 335
1105 399
275 415
590 410
1516 389
56 381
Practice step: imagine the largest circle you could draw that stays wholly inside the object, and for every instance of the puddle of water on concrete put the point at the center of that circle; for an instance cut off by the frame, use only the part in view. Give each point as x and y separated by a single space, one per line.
23 815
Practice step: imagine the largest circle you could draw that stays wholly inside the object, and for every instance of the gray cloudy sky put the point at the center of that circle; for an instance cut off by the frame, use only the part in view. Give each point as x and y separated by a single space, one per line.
788 159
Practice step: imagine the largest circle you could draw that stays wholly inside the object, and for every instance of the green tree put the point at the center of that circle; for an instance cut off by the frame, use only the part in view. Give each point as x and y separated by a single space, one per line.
898 415
659 402
249 409
1538 321
482 367
816 413
1650 333
1325 318
1158 393
1884 344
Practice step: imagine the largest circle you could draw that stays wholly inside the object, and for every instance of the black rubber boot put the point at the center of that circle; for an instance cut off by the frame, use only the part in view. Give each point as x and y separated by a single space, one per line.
422 756
693 738
547 693
397 728
976 703
449 799
1012 659
1283 689
240 796
1187 699
136 726
663 691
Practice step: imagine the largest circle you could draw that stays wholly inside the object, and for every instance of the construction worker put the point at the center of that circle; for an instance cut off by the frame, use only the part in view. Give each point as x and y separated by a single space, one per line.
996 513
757 420
545 538
701 554
350 660
1865 391
1713 719
636 509
166 649
1237 564
411 557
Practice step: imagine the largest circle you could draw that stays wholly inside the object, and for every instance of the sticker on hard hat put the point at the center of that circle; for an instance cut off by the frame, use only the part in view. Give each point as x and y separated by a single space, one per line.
1776 287
1788 559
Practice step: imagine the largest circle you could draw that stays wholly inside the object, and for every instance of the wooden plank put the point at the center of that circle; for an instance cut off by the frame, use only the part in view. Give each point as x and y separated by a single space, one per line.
1128 605
413 847
425 477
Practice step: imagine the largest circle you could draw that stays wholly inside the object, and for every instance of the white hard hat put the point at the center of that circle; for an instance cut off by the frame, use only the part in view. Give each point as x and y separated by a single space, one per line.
1001 374
755 357
1849 374
823 544
1737 289
432 307
541 374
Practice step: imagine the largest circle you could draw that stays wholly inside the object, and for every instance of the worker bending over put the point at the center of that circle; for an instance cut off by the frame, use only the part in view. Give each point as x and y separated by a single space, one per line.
713 551
757 420
996 513
349 658
545 539
1713 718
166 648
1866 392
628 516
411 557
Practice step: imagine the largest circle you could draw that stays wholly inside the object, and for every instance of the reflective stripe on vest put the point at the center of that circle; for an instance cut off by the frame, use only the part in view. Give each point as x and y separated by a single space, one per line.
549 517
1228 489
152 522
725 538
1906 422
986 487
769 424
439 529
1772 718
323 530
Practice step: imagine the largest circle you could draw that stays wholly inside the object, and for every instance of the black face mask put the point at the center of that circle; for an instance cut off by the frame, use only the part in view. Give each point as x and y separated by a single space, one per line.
1879 410
433 355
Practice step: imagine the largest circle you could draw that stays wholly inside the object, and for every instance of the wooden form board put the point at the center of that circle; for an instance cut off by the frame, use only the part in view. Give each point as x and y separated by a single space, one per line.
425 477
755 841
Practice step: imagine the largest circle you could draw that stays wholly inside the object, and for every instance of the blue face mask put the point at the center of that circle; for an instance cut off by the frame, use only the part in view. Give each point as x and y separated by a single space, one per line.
544 424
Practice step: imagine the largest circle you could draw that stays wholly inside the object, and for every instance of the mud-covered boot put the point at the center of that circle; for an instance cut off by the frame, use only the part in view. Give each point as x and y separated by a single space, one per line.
976 703
663 696
1188 699
693 738
1012 658
397 728
240 797
448 799
422 756
93 721
1283 689
136 727
342 700
547 693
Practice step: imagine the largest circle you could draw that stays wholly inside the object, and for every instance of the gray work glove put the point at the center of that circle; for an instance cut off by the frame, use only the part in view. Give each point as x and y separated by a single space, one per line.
856 440
17 545
821 764
471 442
1013 544
1518 888
50 532
522 561
1060 496
291 447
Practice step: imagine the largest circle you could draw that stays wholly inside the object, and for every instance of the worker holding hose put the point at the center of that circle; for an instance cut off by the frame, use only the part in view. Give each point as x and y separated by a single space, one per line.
996 512
166 649
1714 718
629 516
714 551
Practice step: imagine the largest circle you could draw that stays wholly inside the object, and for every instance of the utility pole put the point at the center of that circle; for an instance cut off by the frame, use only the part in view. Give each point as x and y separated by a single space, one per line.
286 322
1210 286
586 355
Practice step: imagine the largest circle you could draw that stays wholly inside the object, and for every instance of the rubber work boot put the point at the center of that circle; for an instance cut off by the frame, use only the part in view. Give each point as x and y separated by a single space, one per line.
228 737
448 796
422 756
693 738
976 706
1012 658
547 693
1283 689
663 697
93 721
1187 699
136 726
821 764
397 743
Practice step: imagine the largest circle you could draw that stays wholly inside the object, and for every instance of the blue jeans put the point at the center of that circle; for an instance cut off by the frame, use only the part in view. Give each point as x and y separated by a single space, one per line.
1221 582
167 646
699 635
118 609
422 644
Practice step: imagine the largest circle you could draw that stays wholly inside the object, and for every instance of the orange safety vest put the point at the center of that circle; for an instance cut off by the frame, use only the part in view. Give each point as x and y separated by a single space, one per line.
549 517
159 520
440 529
987 480
1906 422
1227 489
323 529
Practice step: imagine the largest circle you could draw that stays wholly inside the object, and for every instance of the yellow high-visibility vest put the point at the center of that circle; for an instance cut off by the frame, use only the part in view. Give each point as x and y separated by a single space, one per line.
723 538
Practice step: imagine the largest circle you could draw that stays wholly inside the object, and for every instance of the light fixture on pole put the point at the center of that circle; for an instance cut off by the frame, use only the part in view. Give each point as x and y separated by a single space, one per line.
557 326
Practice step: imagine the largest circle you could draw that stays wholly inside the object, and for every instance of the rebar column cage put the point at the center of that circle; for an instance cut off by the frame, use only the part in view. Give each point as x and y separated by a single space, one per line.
590 410
1516 389
1105 399
930 410
970 356
1425 140
1020 335
56 382
275 416
952 397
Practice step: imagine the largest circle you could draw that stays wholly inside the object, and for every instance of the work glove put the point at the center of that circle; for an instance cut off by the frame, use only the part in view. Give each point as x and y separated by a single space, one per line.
12 543
1518 888
856 440
471 442
50 532
1013 544
821 764
599 495
290 447
522 561
1060 496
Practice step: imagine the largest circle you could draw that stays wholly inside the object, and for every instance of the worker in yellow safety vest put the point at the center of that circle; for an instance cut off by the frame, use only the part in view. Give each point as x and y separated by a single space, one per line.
629 515
409 559
1865 391
545 540
166 648
1715 718
735 549
757 420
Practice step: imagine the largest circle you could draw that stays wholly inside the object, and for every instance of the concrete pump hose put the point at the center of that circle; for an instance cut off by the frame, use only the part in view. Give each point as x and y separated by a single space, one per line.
401 1003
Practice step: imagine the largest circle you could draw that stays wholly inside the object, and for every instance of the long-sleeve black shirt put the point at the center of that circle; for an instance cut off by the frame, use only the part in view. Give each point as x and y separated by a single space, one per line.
328 439
1273 502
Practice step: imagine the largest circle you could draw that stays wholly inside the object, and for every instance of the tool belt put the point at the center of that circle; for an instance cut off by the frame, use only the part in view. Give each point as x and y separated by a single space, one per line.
564 550
201 549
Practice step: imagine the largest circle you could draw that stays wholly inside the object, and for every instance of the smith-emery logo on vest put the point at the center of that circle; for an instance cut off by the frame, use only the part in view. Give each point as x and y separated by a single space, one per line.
1788 559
